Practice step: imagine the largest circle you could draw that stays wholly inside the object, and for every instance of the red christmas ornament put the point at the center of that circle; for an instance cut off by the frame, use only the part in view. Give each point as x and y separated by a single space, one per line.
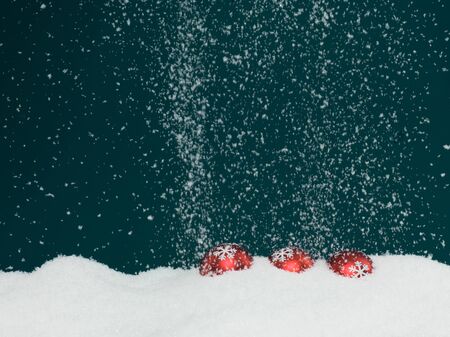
351 264
291 259
225 257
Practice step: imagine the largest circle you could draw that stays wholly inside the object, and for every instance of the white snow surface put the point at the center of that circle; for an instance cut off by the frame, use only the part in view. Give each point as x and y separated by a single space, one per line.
74 297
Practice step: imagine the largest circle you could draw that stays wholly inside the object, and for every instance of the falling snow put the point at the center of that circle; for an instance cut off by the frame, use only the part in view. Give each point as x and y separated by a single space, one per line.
320 169
173 126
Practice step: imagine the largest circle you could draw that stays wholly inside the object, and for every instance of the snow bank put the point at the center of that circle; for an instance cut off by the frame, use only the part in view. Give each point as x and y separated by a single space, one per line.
70 296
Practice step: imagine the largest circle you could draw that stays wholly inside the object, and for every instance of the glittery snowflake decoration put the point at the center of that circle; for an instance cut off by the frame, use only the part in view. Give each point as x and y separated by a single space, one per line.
282 255
359 270
224 251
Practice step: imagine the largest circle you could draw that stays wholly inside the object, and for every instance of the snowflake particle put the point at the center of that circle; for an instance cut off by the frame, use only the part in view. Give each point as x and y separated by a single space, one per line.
282 255
224 251
359 270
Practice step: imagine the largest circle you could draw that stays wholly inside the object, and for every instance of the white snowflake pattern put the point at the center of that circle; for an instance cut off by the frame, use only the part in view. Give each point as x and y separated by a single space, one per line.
359 270
224 251
282 255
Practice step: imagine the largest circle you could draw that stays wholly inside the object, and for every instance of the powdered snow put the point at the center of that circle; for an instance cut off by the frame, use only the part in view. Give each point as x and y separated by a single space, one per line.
73 297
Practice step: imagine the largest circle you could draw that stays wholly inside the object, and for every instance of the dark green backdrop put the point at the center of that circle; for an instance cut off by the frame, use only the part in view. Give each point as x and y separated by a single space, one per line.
139 133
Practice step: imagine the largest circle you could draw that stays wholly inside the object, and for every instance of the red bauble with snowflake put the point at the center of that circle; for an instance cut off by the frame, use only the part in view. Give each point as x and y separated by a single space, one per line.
351 264
225 257
291 259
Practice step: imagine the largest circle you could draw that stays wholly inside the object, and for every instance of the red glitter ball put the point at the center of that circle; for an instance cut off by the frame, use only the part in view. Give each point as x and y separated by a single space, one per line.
351 264
225 257
291 259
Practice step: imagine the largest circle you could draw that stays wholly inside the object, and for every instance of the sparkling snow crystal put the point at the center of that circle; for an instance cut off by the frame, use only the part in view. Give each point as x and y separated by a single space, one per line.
359 270
282 255
224 251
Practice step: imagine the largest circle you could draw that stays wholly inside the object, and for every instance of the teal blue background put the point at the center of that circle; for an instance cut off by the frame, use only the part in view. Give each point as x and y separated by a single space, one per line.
90 162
